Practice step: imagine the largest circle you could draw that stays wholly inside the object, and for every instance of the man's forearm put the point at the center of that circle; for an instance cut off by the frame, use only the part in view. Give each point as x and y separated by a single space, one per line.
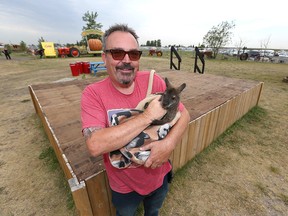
109 139
112 138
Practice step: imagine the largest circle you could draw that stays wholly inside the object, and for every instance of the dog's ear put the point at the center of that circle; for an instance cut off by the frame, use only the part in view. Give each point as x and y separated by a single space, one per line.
168 84
181 87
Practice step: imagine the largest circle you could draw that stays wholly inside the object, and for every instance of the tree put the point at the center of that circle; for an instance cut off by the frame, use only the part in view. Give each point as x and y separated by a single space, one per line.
265 43
90 19
155 43
23 46
158 44
240 45
218 36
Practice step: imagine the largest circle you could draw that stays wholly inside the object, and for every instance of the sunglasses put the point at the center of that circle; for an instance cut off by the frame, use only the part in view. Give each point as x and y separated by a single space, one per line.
118 54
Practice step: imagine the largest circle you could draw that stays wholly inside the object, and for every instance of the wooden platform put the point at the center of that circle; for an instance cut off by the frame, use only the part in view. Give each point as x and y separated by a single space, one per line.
214 104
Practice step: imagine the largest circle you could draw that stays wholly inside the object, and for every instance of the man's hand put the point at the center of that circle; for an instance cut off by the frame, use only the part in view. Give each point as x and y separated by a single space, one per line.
160 153
155 110
161 150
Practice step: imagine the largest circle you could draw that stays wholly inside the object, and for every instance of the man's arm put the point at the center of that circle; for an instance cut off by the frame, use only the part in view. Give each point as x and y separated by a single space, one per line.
161 150
105 140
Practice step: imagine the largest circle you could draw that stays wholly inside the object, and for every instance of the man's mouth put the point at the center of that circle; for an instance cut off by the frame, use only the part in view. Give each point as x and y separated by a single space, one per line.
124 67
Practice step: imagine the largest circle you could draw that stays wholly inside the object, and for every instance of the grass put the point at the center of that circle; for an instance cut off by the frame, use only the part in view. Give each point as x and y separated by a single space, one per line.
229 138
274 170
284 198
246 164
50 160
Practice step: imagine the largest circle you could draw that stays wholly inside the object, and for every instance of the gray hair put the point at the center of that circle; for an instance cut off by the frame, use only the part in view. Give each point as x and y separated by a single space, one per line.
118 27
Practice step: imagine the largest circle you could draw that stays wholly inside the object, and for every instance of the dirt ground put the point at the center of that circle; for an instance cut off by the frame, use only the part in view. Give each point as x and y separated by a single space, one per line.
27 184
249 178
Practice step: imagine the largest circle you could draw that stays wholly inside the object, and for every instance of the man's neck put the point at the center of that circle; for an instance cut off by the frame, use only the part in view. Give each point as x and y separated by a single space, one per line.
125 89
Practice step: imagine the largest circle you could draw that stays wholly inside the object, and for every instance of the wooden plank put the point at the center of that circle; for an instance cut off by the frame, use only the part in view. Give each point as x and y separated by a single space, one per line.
191 145
36 103
256 94
247 101
59 95
201 133
183 148
230 114
82 202
211 121
99 191
221 120
176 156
112 208
171 159
68 131
206 131
63 114
260 85
196 138
82 163
238 110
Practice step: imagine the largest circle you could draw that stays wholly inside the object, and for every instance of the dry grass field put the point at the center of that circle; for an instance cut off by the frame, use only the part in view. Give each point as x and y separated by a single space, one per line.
244 172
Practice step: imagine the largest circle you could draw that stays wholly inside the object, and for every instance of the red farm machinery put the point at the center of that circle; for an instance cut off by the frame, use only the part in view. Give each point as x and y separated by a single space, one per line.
94 46
155 51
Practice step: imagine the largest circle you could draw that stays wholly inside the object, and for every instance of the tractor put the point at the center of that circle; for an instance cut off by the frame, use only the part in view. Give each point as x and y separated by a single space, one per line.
94 46
154 51
63 52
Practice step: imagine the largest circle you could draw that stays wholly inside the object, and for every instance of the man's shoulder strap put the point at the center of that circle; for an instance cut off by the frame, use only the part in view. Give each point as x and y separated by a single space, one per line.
150 84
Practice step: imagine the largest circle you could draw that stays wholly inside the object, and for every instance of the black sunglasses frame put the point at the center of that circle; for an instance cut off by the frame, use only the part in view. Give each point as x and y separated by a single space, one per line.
123 53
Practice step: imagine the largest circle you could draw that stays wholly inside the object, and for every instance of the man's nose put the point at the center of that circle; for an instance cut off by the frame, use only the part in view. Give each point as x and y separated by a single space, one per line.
126 58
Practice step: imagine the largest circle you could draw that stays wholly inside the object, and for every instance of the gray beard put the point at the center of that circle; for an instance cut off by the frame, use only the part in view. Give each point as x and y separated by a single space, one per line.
126 82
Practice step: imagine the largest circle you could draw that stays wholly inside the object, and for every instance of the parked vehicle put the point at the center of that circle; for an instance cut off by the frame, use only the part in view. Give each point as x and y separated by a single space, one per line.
250 54
267 53
283 53
94 46
65 51
155 51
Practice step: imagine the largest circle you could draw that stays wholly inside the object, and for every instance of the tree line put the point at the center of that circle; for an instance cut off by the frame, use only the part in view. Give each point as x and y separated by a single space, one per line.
155 43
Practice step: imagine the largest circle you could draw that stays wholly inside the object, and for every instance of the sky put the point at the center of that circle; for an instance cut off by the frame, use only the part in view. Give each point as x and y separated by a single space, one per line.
181 22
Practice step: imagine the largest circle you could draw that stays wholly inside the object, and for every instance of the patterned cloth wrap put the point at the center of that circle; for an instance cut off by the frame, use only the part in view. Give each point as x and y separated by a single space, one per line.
130 155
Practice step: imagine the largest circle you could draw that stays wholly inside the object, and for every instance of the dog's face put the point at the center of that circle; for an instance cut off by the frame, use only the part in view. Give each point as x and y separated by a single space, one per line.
171 96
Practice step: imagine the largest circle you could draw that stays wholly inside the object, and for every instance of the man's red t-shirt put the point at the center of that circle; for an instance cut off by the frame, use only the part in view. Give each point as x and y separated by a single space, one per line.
101 97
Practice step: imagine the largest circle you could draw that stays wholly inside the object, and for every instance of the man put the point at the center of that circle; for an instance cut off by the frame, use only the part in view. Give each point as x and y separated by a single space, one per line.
7 55
41 53
125 87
